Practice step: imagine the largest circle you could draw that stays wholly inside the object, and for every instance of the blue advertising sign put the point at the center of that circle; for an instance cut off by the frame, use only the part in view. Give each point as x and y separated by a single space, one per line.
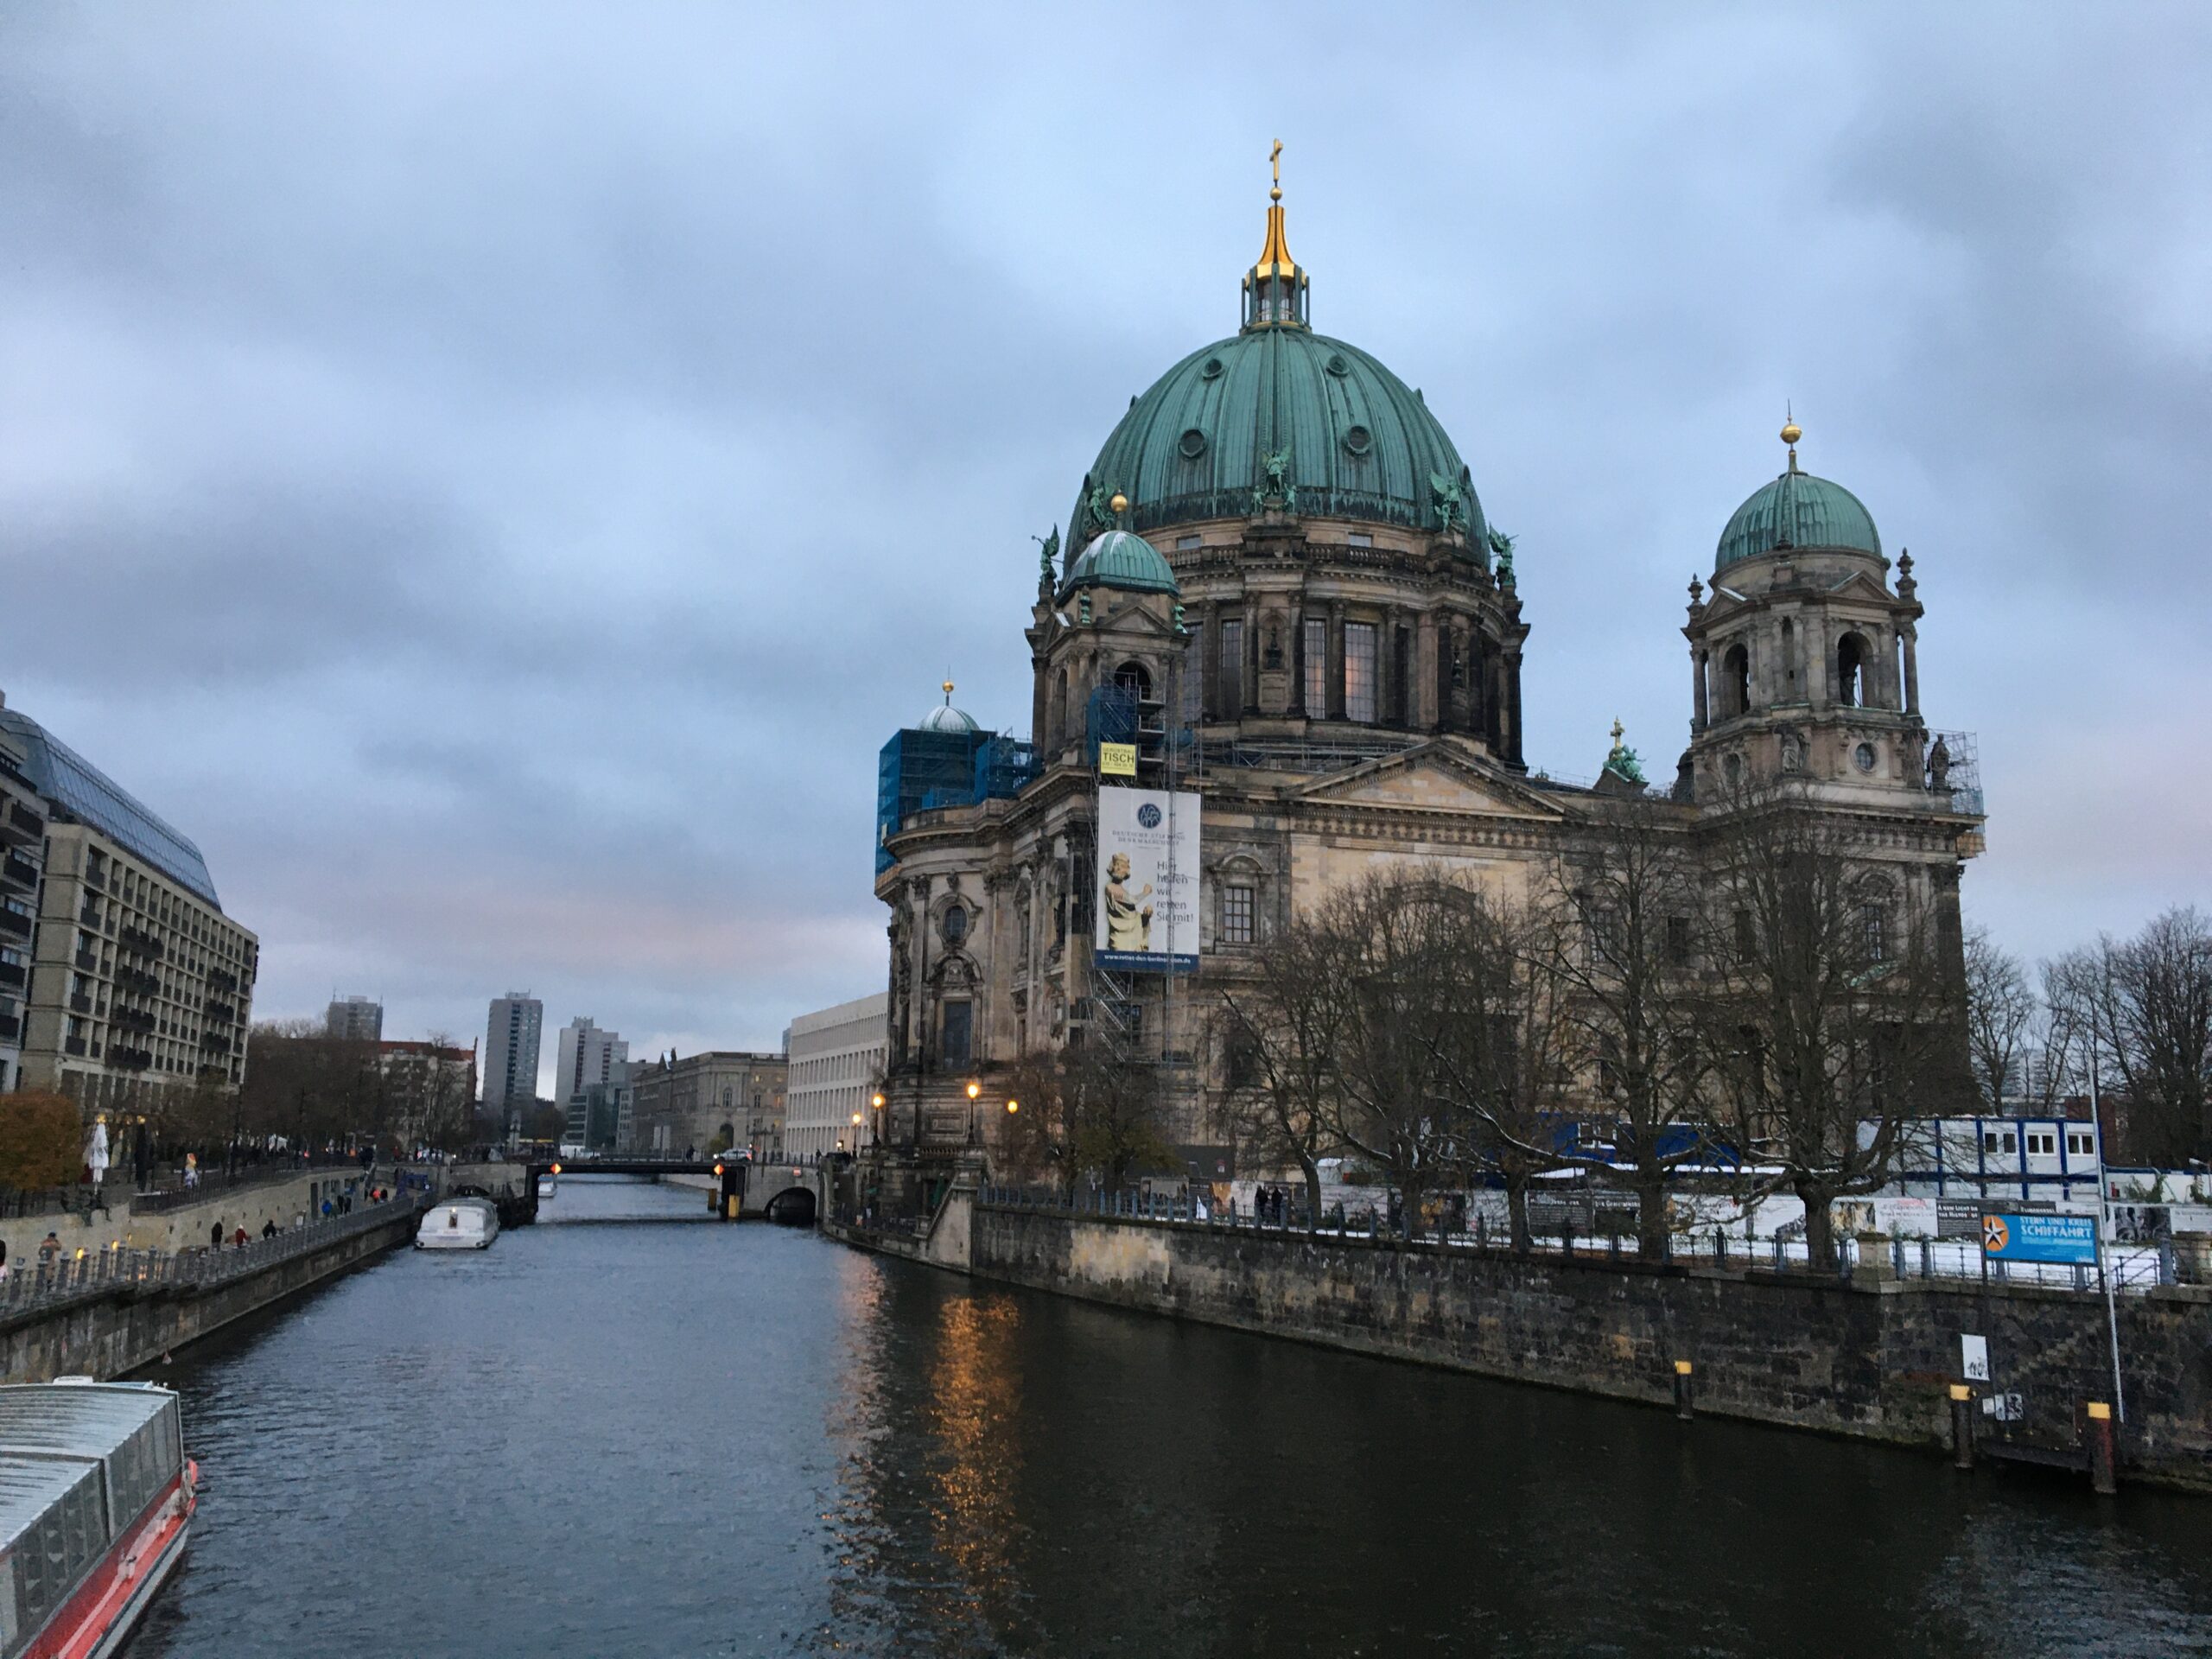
2040 1238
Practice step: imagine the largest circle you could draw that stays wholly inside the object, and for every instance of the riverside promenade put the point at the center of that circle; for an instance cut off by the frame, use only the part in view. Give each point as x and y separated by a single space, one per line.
107 1311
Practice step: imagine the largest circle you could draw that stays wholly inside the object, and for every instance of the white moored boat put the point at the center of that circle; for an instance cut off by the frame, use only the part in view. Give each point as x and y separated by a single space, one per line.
458 1224
96 1502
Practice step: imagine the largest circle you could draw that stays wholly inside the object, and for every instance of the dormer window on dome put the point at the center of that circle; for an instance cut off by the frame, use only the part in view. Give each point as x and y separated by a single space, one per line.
1275 289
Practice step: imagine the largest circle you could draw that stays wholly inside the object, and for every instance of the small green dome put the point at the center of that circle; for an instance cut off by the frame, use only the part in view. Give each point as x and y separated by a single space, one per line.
1119 559
1358 442
1797 510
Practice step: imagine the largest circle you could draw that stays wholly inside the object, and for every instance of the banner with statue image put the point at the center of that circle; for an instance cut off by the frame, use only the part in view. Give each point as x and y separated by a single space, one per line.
1147 873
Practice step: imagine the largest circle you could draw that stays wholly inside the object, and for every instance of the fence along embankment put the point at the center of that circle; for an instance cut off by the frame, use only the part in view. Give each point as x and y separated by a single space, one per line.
106 1312
1871 1355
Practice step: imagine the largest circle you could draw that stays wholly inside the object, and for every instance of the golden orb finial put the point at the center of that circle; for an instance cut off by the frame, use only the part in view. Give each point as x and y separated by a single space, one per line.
948 689
1120 503
1791 432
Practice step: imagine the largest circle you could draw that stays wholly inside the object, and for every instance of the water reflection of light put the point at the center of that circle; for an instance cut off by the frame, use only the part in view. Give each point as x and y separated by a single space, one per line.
923 1537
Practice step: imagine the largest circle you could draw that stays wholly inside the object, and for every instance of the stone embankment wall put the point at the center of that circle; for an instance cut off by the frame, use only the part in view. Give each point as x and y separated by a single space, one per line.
248 1205
1868 1359
122 1329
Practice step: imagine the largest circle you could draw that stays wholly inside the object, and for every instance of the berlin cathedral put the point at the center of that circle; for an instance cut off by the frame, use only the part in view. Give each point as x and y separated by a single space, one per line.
1280 604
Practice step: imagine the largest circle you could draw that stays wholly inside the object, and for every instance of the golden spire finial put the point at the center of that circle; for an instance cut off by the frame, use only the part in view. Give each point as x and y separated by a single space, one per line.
947 687
1790 433
1275 161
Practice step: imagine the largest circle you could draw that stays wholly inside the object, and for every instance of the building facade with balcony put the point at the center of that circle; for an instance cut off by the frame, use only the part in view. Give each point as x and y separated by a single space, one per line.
139 983
836 1066
22 854
512 1038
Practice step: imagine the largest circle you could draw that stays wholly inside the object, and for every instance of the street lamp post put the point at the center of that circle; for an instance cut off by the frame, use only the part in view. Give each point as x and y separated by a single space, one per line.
975 1091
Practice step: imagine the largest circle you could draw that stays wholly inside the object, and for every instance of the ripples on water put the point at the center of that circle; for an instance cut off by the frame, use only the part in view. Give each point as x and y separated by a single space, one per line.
677 1440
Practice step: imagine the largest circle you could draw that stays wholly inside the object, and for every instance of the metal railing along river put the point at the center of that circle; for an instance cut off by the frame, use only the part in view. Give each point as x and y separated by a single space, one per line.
86 1274
2133 1268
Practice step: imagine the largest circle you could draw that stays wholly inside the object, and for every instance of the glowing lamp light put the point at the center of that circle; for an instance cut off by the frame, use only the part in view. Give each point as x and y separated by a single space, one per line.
878 1102
974 1090
1013 1105
556 1170
718 1169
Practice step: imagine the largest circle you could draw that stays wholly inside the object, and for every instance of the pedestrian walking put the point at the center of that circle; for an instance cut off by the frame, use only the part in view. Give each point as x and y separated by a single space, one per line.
215 1235
240 1238
327 1211
269 1228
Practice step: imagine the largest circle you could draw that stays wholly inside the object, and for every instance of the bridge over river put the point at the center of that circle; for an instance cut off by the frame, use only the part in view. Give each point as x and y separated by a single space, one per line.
730 1189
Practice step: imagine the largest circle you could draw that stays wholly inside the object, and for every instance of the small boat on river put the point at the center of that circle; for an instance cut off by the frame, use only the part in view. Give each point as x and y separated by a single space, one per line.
96 1502
459 1224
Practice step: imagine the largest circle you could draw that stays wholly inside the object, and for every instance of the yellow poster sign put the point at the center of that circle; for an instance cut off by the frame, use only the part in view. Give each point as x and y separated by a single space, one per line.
1117 759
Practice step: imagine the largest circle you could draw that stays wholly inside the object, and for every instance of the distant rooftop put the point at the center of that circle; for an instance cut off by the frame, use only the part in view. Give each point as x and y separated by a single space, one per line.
81 790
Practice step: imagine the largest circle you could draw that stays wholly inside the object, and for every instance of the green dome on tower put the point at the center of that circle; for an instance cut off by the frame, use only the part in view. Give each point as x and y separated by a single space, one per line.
1278 410
1119 559
1797 511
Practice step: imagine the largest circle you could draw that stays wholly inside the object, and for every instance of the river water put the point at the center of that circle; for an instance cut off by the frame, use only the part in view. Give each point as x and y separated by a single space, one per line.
664 1437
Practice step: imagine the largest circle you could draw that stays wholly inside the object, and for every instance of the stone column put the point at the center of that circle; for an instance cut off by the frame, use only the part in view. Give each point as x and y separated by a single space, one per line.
1209 664
1511 726
1701 665
1428 675
1294 657
1911 670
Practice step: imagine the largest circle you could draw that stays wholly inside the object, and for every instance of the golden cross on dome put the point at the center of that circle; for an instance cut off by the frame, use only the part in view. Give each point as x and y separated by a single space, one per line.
1618 729
1275 161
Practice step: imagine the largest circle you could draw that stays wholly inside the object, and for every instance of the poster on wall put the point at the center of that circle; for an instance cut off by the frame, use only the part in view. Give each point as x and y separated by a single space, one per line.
1147 873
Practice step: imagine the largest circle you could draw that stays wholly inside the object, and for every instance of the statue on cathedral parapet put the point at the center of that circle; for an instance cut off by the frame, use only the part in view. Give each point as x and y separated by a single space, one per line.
1446 500
1939 767
1622 761
1049 549
1501 544
1276 469
1098 512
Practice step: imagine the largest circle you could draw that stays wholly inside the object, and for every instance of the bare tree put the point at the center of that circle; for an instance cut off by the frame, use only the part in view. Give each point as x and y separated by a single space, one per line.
1380 949
1618 928
2002 1012
1276 1032
1835 1022
2148 1003
1505 1046
1083 1111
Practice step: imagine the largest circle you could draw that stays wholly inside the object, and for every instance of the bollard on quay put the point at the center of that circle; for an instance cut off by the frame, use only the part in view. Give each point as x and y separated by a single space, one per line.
1685 1401
1961 1426
2103 1476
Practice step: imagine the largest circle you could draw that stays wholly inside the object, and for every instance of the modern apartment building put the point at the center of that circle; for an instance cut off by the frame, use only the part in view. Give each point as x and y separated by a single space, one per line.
512 1038
23 851
836 1060
355 1019
587 1055
705 1102
139 982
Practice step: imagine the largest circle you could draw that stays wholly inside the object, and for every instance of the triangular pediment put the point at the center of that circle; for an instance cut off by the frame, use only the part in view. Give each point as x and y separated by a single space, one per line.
1435 776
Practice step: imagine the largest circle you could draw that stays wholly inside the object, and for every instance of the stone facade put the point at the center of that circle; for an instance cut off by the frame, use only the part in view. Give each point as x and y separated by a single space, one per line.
837 1061
1871 1359
689 1104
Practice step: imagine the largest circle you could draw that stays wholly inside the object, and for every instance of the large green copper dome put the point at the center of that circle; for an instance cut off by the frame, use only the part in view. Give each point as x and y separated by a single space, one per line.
1797 510
1355 442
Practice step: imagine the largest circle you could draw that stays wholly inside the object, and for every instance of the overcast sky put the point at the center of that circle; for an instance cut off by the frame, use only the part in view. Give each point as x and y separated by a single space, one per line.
495 474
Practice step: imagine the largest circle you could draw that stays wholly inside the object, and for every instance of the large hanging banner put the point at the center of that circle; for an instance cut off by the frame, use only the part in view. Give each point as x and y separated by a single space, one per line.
1149 882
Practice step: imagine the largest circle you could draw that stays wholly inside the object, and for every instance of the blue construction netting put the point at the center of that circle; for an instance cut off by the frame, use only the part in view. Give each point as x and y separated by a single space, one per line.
917 771
1004 767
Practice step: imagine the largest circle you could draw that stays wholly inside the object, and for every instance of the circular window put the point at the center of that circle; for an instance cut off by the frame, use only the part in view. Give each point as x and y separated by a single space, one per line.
1864 754
956 926
1210 369
1358 440
1193 444
1336 365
